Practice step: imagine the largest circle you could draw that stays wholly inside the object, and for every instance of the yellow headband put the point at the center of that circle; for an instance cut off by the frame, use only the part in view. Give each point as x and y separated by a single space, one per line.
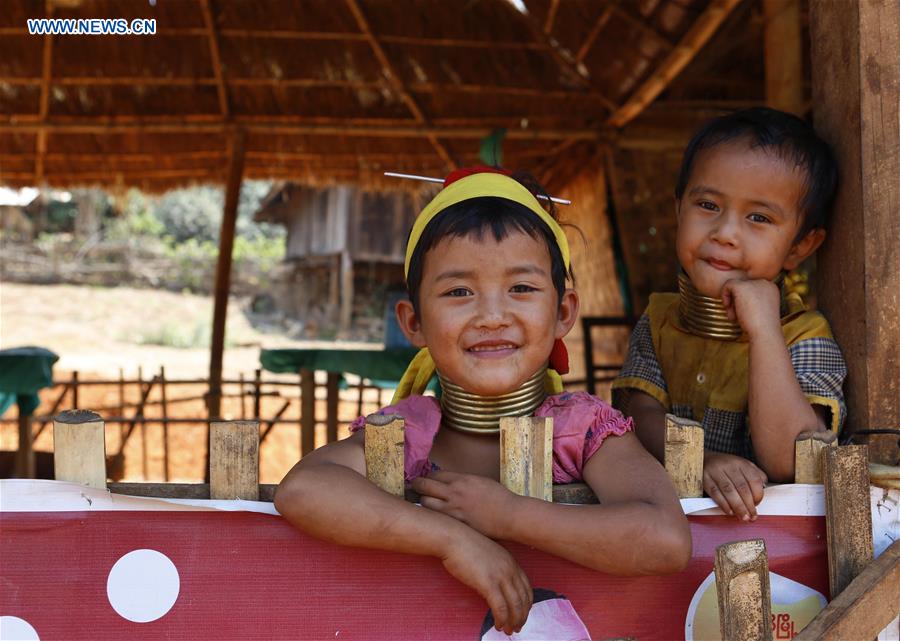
475 186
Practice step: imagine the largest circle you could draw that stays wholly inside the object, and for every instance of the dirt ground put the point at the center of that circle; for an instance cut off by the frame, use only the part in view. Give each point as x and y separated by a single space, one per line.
100 332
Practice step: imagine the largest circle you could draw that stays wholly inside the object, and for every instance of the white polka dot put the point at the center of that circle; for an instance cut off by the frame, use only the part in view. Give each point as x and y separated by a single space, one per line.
16 629
143 585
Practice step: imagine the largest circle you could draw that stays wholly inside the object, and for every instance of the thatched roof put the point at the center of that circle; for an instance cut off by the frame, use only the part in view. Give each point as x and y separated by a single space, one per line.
338 91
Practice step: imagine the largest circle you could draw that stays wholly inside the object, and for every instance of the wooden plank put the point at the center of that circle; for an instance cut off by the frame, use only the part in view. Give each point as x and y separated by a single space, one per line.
215 57
869 603
234 460
575 493
331 406
848 519
526 456
855 64
307 411
783 53
808 452
223 271
79 448
684 455
385 434
742 585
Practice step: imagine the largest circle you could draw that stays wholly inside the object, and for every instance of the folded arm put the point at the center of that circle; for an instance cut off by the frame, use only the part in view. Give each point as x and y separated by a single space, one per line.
328 496
639 527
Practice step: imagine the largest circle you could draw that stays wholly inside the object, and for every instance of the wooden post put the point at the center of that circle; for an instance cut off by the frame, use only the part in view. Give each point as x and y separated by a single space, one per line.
346 314
234 460
79 448
526 456
223 271
307 411
75 402
331 404
742 585
25 454
241 395
848 519
783 49
808 452
385 460
855 63
684 455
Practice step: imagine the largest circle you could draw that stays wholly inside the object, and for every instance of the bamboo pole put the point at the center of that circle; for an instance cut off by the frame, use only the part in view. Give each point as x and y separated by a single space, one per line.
234 460
809 449
526 456
742 586
684 455
690 45
384 451
223 271
79 448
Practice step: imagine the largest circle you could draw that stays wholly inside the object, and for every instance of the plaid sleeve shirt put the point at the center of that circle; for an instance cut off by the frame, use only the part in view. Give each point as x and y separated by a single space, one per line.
818 365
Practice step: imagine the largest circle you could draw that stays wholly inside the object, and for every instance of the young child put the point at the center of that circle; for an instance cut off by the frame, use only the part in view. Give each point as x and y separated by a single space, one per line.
486 270
729 350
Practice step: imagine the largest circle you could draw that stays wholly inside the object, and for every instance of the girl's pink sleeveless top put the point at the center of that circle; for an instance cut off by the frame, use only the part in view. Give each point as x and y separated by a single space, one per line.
581 423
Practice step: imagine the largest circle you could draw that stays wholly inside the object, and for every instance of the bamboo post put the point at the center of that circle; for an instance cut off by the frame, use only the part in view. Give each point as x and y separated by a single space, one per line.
164 407
742 585
331 407
79 448
385 439
808 453
526 456
684 455
848 519
234 460
307 411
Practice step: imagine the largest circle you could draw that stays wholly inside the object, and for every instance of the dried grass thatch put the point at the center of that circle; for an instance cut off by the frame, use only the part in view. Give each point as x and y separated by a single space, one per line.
334 91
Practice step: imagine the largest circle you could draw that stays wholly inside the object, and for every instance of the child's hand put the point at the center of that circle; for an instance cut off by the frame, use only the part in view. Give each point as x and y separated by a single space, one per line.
755 304
477 501
489 569
734 483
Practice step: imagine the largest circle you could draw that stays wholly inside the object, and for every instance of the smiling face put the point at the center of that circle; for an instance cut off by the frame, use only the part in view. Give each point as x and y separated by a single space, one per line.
488 310
739 217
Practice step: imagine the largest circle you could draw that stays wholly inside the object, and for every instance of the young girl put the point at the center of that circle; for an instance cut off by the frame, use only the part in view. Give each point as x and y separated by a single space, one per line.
486 270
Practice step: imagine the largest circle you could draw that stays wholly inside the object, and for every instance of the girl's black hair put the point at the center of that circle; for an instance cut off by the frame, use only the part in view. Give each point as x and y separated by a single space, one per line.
476 216
791 138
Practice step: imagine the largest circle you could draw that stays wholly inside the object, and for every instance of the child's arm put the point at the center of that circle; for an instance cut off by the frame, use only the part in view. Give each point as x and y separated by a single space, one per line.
639 527
778 408
733 482
328 496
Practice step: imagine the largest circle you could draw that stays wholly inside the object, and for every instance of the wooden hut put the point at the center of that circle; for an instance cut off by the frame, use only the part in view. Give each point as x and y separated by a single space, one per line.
345 247
596 98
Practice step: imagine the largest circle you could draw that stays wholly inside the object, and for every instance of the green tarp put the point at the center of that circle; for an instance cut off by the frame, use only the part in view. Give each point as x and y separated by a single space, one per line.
24 371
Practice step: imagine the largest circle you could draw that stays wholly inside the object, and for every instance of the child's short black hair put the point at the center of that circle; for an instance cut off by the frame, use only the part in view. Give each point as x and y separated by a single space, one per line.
476 216
785 134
